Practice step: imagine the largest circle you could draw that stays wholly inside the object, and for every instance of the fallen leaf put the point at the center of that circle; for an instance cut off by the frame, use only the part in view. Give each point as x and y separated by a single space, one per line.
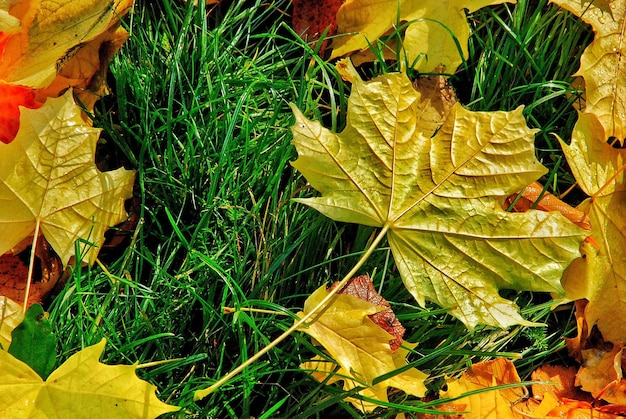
48 177
33 342
601 64
360 348
600 274
311 18
562 383
81 387
534 196
363 288
86 69
11 314
551 407
439 198
601 374
438 98
428 41
50 33
495 403
11 99
14 271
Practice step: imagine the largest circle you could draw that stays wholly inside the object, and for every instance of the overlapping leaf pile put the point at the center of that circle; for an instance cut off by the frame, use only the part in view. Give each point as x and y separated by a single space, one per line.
439 199
54 57
597 159
362 343
81 387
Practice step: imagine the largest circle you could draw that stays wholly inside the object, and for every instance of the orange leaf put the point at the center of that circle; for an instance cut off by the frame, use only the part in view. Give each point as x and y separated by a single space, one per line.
548 202
601 374
494 404
49 32
86 70
562 379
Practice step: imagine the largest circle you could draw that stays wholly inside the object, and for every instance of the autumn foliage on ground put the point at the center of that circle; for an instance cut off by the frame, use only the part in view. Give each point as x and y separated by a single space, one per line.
54 60
453 192
441 192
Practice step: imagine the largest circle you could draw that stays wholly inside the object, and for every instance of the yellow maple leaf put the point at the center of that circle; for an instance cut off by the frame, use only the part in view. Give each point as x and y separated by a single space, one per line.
602 64
49 182
492 404
430 41
80 388
600 275
439 199
50 33
361 349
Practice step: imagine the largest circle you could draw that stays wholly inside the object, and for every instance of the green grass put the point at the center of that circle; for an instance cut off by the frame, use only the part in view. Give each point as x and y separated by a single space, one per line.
199 107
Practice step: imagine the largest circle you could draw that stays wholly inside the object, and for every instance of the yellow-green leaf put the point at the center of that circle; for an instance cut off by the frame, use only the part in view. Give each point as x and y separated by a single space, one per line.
602 63
440 198
48 176
600 275
429 40
361 349
80 388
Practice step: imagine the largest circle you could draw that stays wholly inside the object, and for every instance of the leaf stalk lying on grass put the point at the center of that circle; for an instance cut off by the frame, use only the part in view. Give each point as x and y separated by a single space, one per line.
316 311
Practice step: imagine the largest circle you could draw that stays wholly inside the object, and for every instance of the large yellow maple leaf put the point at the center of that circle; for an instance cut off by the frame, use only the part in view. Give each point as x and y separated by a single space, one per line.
49 182
80 388
438 28
361 349
602 64
439 198
600 275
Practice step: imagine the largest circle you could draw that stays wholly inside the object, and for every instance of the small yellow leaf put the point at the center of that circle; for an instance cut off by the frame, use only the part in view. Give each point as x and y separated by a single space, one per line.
11 315
48 175
80 388
361 349
430 40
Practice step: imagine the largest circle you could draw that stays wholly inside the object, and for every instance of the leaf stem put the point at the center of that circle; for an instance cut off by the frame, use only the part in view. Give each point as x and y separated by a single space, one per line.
31 264
312 315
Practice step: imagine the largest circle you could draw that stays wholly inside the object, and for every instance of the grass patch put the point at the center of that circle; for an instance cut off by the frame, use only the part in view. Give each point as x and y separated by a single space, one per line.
199 107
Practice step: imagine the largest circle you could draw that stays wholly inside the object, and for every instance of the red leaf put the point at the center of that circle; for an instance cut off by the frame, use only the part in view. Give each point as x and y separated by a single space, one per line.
311 18
363 288
11 98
